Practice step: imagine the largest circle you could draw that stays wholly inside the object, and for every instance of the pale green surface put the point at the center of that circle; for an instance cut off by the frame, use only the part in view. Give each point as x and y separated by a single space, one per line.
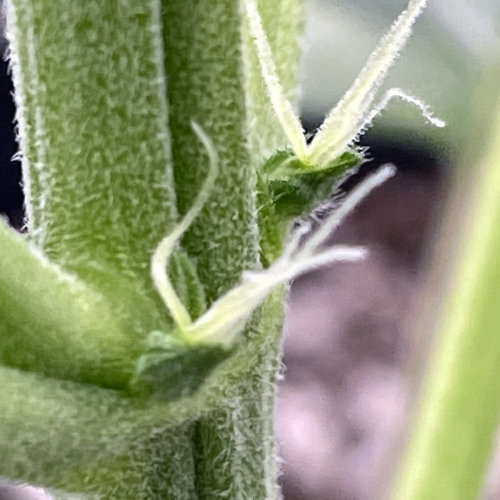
207 86
234 445
351 115
279 20
102 179
89 440
452 438
53 323
93 128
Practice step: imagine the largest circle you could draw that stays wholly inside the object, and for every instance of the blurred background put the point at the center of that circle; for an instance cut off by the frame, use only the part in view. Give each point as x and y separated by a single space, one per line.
349 335
350 331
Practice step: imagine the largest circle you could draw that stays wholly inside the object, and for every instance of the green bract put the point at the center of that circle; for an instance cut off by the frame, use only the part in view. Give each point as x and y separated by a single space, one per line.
287 188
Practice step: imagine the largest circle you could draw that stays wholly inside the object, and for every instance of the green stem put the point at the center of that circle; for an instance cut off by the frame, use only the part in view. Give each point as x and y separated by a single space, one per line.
90 78
235 452
202 42
453 436
93 118
235 443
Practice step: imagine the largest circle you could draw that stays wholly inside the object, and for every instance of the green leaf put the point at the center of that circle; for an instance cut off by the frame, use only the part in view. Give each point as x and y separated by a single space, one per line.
92 441
289 188
53 323
171 369
295 188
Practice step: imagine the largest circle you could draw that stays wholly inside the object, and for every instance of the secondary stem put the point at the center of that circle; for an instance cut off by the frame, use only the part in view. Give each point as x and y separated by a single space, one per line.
457 414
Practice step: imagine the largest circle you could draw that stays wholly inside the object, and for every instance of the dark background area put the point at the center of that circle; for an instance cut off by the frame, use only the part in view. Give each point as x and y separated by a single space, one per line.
11 200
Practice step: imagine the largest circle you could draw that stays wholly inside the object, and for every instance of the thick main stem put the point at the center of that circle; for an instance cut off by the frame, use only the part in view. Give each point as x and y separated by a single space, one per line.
92 112
234 444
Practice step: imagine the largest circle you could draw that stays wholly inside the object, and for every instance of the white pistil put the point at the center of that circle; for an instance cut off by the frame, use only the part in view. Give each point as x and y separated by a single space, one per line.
166 247
343 123
401 94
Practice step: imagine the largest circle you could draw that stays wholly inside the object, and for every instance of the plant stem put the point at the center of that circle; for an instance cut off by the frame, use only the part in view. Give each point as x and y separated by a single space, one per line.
90 87
457 415
202 41
95 131
234 444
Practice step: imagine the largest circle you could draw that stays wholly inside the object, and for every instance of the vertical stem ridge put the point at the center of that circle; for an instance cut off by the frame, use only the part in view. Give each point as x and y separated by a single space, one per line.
206 47
236 452
203 56
23 64
94 130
